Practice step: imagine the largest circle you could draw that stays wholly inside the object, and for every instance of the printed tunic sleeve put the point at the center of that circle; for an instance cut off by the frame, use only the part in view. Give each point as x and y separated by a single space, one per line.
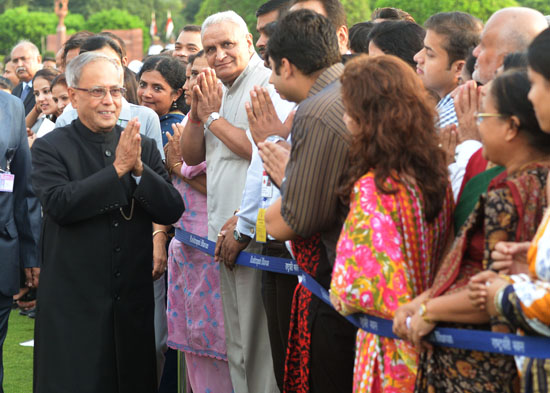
500 222
369 272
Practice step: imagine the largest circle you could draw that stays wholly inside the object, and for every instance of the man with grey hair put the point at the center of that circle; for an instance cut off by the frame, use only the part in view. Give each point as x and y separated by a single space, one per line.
27 60
217 131
507 30
101 188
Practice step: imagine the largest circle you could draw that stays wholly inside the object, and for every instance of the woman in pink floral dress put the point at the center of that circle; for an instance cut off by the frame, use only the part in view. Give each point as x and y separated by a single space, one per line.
194 310
400 211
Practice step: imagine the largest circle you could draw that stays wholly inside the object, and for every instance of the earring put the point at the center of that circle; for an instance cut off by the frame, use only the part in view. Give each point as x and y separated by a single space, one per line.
174 106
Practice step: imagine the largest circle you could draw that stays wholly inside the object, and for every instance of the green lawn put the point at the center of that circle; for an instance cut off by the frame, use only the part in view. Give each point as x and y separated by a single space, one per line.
18 359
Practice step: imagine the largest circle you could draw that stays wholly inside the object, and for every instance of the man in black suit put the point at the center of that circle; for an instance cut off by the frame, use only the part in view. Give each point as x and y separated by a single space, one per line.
101 188
26 57
19 210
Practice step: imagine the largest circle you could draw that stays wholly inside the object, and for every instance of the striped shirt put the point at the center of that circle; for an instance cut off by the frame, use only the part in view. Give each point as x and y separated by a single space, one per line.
446 112
320 144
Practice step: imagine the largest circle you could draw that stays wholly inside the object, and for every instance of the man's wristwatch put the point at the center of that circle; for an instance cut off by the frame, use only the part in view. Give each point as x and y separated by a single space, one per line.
240 237
213 116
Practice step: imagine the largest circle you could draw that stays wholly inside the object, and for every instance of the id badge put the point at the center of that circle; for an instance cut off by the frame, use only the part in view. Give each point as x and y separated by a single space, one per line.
261 233
267 186
6 182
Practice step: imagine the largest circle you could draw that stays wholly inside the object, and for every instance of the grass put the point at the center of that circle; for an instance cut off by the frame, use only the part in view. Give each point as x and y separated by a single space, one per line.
18 359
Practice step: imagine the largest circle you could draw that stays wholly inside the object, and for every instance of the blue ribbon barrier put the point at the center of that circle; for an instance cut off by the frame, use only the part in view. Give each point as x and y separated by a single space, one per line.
262 262
479 340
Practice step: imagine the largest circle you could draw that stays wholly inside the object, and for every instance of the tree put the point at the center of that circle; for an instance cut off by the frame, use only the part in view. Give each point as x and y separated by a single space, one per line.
18 23
541 5
423 9
115 19
356 10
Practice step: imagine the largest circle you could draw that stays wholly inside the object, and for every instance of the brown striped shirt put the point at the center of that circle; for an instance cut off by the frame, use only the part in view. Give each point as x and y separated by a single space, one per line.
320 144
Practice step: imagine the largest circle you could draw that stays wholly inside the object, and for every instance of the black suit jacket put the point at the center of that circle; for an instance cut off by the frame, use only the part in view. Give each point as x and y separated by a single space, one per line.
19 210
29 99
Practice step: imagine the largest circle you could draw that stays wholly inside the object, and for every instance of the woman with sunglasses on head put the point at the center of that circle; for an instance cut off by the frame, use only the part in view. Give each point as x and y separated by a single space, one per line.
521 301
510 210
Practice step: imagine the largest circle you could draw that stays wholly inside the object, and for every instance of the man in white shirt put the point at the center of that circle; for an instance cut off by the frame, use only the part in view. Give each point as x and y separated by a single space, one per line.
450 36
217 131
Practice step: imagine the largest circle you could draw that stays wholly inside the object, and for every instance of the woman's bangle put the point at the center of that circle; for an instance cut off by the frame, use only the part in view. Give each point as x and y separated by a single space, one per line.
192 121
423 311
173 166
160 231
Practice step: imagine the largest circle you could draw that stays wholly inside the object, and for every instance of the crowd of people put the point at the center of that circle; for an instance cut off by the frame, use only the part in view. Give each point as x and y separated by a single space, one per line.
403 166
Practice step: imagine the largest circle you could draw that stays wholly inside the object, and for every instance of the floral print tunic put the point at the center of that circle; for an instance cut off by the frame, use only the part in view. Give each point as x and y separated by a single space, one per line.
385 257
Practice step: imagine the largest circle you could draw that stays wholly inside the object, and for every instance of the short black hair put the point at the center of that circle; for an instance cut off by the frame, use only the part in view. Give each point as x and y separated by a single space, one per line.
509 92
307 39
75 42
192 28
399 38
269 29
461 31
470 62
515 60
538 54
48 74
60 79
272 5
334 11
171 69
131 85
6 84
191 59
101 41
359 37
391 13
116 38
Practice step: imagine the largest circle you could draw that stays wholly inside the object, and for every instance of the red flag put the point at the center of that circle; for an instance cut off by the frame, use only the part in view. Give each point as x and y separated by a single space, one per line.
169 25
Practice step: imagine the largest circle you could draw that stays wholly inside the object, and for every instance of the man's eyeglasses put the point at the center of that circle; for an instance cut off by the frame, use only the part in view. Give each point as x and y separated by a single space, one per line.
100 92
480 116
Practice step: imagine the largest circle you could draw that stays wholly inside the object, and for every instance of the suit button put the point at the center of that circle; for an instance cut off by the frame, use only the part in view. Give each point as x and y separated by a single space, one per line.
108 153
117 298
117 249
117 274
115 224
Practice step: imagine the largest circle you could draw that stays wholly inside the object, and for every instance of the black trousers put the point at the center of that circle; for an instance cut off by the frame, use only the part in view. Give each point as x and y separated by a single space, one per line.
277 293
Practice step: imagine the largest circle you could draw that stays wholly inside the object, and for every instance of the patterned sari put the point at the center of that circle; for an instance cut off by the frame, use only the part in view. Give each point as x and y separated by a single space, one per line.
509 211
385 257
525 305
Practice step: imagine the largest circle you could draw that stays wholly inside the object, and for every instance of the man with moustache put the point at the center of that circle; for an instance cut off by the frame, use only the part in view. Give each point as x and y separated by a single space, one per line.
27 60
217 131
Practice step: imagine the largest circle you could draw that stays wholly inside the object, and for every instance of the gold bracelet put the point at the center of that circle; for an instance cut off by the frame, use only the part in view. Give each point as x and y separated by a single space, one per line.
173 166
423 313
160 231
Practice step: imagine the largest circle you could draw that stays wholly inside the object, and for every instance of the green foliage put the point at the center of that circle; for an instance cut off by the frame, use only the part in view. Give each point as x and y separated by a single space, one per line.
190 10
74 23
356 11
114 19
245 8
541 5
423 9
18 23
